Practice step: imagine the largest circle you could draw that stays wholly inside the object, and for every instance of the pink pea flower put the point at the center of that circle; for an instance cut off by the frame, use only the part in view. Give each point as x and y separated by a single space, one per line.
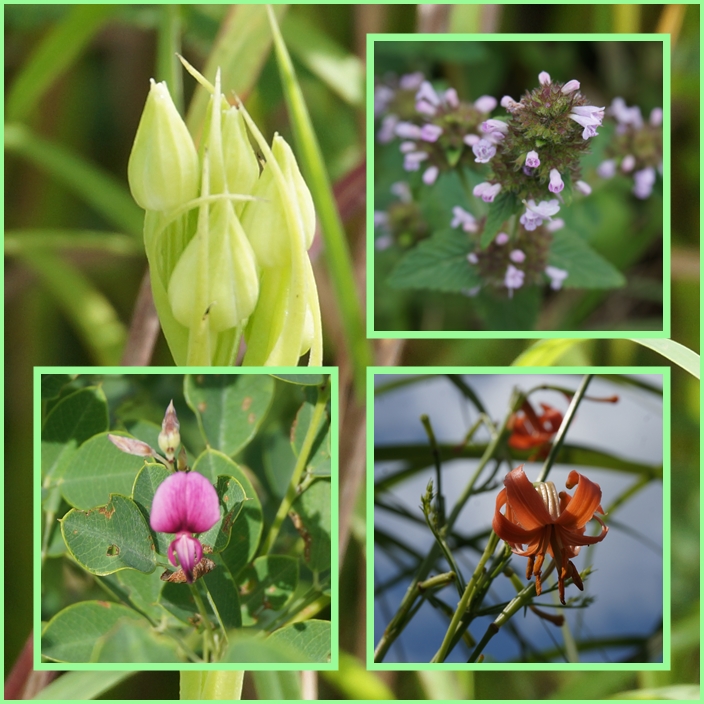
556 182
532 159
185 503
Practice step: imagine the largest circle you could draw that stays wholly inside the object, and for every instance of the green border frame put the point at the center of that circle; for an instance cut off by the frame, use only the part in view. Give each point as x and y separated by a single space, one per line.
666 556
180 667
372 333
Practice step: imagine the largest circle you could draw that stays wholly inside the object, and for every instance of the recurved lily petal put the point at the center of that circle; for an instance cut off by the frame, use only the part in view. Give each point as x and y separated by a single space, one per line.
583 504
525 501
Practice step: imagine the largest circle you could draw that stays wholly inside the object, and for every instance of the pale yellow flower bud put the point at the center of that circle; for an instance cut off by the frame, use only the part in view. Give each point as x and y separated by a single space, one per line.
169 437
241 164
163 169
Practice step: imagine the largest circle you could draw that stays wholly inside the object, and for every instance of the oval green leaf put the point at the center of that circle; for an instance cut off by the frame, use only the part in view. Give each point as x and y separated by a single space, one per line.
110 538
310 514
229 407
72 635
96 470
268 583
311 639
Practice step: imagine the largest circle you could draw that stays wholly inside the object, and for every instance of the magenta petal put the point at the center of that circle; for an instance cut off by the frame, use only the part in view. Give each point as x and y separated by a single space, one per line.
189 552
185 502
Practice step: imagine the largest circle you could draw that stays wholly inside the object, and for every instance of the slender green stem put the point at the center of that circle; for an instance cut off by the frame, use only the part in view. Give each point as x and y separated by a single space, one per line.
466 600
211 685
208 644
402 616
337 253
566 422
168 47
440 507
303 456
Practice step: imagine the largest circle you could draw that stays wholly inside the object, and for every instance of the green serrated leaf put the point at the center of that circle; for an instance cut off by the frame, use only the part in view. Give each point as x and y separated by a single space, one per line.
229 407
268 583
586 268
96 470
439 264
72 421
72 635
309 638
312 520
110 538
504 206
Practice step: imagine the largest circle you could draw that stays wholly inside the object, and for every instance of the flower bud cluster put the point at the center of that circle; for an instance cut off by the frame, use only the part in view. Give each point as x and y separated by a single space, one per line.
636 148
539 145
402 222
508 264
226 236
438 131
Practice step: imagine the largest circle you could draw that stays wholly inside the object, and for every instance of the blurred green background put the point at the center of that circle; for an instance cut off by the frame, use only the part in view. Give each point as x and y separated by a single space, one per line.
90 107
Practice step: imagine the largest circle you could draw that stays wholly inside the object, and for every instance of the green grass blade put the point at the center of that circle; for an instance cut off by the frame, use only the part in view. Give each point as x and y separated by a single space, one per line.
168 66
90 313
240 50
113 243
81 685
336 248
102 191
341 71
679 354
55 53
545 353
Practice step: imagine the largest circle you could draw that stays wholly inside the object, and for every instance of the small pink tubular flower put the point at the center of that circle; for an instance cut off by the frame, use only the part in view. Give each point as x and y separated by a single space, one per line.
492 126
544 78
583 187
535 214
412 160
589 117
556 276
644 182
487 191
427 92
501 239
485 103
461 217
425 108
556 183
185 503
607 169
570 87
532 159
513 279
483 150
656 117
430 175
451 98
407 130
518 256
430 133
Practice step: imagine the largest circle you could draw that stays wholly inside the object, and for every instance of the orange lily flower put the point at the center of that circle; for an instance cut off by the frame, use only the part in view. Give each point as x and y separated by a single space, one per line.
536 516
533 430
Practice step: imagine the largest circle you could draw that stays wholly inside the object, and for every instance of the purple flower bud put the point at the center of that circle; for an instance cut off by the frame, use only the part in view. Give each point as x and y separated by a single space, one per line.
472 258
471 139
406 147
430 133
412 160
644 182
517 256
556 183
509 103
607 169
451 98
513 279
131 446
495 126
555 225
431 173
383 95
483 151
624 115
583 187
461 217
544 78
411 81
425 108
501 239
556 276
485 103
169 437
387 131
427 92
532 159
407 130
487 191
402 191
381 218
185 503
628 163
570 87
656 117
